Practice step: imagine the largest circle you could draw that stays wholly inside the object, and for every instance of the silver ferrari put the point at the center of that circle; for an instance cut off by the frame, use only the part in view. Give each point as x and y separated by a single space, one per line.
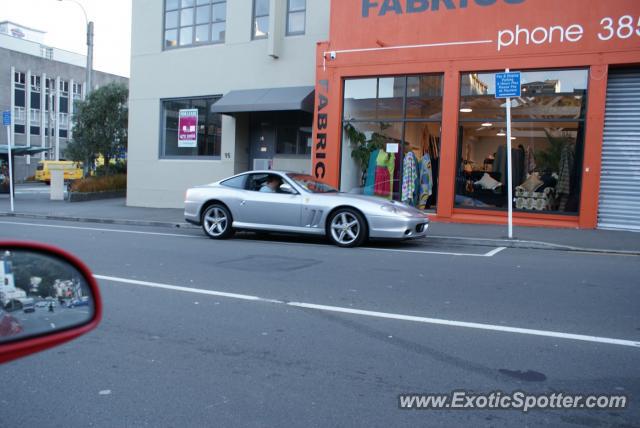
277 201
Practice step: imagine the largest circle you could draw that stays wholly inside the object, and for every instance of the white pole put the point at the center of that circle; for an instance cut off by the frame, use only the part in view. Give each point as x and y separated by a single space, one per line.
10 167
509 168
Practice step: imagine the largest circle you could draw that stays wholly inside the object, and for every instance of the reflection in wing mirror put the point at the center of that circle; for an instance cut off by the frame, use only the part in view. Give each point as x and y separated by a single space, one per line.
47 297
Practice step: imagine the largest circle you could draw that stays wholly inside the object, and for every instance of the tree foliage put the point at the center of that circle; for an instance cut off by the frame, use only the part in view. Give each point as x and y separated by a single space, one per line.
27 265
100 126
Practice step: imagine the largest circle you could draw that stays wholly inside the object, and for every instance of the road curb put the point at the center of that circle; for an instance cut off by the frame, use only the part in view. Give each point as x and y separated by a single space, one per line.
457 240
125 222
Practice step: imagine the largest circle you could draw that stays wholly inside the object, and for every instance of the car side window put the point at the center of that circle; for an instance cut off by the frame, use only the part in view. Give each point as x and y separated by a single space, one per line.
235 182
256 181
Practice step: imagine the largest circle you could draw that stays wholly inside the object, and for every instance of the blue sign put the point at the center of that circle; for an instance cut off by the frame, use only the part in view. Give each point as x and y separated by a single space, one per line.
6 118
507 85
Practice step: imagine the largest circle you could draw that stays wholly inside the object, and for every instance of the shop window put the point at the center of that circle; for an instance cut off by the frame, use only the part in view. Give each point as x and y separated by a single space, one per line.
194 22
260 19
391 138
547 142
378 98
424 97
296 17
209 129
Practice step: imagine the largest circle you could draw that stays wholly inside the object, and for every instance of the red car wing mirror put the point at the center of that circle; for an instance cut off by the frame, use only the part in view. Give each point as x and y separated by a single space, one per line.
47 297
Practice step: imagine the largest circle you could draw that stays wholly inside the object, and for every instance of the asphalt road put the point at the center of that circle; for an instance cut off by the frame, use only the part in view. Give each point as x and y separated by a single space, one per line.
314 335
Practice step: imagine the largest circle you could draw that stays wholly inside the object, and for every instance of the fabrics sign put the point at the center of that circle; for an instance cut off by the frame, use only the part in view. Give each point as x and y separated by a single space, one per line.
188 128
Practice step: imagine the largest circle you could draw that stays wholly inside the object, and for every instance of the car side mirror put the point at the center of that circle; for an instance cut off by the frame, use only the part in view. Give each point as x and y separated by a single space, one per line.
47 297
286 188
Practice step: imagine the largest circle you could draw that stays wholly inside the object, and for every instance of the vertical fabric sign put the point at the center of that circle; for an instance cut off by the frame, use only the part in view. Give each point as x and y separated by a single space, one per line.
188 128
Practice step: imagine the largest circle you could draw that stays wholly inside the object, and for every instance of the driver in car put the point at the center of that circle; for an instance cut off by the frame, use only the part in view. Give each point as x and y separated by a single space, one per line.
273 184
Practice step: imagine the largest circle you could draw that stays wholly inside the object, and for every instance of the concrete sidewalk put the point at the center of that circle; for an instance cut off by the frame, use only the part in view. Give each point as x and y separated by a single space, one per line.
32 201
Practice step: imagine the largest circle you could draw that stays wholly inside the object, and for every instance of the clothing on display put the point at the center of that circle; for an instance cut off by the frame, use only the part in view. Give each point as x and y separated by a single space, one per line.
563 189
415 184
529 159
385 166
426 181
371 174
409 178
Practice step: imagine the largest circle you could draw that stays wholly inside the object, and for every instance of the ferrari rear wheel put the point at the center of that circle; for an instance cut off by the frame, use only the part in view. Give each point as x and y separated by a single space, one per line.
347 228
216 222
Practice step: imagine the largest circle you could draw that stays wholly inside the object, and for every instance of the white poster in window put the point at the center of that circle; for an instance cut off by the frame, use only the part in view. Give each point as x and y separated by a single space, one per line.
188 128
392 147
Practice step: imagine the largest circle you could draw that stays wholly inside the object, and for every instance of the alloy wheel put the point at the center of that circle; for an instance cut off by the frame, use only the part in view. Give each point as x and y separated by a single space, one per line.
215 221
345 228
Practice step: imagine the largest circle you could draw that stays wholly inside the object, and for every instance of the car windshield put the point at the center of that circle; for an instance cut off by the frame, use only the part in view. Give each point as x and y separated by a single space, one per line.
309 183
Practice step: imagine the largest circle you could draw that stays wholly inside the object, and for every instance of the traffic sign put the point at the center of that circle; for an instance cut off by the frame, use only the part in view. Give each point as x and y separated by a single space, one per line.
6 118
507 85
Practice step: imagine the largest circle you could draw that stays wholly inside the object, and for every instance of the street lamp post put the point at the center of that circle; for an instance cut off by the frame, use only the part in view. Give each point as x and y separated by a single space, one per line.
89 69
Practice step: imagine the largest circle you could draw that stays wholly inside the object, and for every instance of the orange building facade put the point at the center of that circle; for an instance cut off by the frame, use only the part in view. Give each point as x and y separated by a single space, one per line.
406 106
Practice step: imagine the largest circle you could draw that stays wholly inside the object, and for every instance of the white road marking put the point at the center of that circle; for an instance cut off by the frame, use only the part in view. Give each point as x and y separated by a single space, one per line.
98 229
494 252
385 315
137 232
443 253
186 289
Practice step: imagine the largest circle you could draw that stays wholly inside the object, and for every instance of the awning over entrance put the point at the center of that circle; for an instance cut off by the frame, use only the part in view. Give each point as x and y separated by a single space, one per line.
271 99
22 150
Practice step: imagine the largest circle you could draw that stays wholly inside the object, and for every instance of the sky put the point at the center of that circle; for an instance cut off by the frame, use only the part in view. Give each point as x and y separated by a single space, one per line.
65 26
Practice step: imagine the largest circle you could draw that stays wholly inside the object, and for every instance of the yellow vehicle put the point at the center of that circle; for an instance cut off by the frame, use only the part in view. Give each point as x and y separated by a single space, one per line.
72 170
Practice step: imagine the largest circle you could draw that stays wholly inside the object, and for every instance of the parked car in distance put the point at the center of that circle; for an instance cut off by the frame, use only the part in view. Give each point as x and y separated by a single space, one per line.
45 304
280 201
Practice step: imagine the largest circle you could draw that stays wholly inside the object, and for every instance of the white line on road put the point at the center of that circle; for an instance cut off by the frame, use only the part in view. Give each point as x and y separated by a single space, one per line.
98 229
442 253
495 251
385 315
187 289
137 232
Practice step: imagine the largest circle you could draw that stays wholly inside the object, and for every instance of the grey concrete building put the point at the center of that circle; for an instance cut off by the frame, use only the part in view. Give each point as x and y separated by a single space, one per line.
246 66
39 85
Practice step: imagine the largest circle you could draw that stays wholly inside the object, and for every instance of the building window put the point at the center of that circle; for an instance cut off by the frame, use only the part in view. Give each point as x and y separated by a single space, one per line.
64 88
547 142
19 92
194 22
77 91
296 17
35 83
260 20
19 79
35 117
208 125
390 122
